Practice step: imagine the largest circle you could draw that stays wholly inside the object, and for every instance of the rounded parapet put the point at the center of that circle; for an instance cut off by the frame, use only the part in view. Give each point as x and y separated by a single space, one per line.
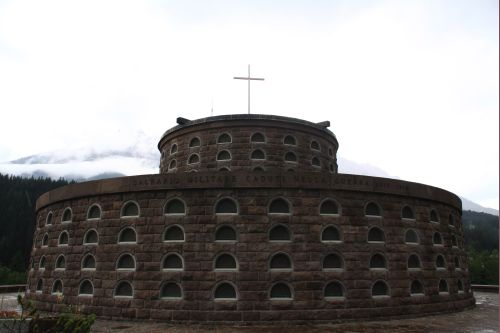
242 179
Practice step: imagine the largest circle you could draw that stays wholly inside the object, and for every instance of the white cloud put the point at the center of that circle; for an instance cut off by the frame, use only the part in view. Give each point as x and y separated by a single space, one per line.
411 87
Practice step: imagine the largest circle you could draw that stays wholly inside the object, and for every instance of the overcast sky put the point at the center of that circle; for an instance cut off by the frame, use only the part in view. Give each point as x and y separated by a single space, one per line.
411 87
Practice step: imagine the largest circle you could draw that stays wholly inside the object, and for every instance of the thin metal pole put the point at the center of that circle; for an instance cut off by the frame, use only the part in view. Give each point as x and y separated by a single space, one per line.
249 89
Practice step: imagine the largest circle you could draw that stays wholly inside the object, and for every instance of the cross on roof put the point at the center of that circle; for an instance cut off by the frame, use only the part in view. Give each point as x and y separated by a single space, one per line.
248 79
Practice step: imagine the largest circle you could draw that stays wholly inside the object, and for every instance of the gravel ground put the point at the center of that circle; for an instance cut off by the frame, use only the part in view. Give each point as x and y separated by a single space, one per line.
481 319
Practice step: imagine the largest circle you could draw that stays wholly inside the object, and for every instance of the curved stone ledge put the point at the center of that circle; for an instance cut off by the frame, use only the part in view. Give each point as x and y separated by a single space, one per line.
244 119
235 180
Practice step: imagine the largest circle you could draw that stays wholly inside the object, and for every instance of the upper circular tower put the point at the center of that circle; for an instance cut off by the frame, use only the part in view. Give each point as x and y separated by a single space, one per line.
249 142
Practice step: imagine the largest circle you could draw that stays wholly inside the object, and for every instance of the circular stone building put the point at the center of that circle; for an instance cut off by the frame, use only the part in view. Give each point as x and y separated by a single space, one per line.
249 222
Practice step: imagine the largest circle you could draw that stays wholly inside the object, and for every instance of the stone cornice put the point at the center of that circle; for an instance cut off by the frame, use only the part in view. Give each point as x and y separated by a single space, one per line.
242 179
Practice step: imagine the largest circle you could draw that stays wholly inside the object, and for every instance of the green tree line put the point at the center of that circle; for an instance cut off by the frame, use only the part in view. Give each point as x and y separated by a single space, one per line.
17 222
481 241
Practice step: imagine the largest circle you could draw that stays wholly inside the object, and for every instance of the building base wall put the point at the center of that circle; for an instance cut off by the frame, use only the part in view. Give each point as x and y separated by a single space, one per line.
253 278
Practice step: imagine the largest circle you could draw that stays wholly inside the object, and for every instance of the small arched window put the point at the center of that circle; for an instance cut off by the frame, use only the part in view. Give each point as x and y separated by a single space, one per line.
258 169
454 241
457 263
124 289
45 240
171 290
61 262
333 262
280 291
289 140
86 288
88 262
280 261
377 261
372 209
63 238
330 234
434 216
416 288
67 215
174 233
411 237
50 218
130 209
414 262
407 213
57 287
90 237
173 149
226 206
460 286
225 262
94 212
223 155
436 239
173 262
39 286
334 290
225 291
41 264
127 235
315 145
330 151
329 207
258 154
195 142
224 138
451 220
376 234
224 169
258 138
290 157
440 262
225 233
175 207
443 286
380 288
172 165
279 206
279 233
126 262
315 162
193 159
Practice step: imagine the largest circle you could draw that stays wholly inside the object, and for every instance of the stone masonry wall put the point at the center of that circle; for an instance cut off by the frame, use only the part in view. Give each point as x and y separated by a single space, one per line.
253 278
176 151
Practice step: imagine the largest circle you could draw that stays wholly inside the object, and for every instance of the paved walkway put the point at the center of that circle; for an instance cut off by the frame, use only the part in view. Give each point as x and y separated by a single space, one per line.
481 319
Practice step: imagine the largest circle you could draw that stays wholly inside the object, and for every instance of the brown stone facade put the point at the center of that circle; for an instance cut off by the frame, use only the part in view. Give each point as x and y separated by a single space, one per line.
248 246
286 144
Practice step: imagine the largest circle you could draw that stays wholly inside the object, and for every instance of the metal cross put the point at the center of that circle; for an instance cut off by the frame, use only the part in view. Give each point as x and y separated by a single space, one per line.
248 79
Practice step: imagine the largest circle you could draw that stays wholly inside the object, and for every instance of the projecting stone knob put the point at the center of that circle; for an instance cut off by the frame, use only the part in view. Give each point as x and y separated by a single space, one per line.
324 124
182 121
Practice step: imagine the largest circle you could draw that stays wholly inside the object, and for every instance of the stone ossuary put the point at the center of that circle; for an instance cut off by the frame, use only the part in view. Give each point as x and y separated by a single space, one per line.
249 222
